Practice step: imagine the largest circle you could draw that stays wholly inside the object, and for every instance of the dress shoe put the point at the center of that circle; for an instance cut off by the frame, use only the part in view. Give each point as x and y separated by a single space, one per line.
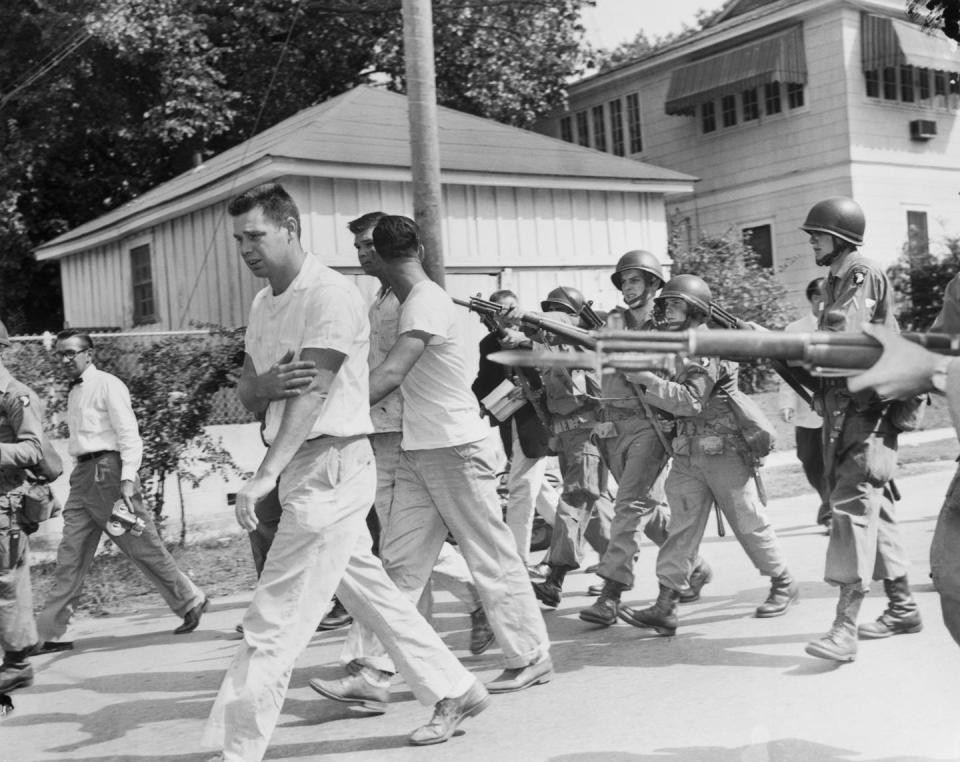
481 633
517 679
449 713
50 647
354 689
192 618
13 676
337 617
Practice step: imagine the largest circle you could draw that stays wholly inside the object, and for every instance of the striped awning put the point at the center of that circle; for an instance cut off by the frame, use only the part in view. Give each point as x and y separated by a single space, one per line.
779 58
891 42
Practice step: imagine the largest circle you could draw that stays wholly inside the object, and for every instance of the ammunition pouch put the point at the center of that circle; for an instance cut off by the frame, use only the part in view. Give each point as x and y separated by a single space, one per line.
37 504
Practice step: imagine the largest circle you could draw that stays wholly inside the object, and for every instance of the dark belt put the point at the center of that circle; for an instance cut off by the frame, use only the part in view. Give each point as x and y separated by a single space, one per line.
611 414
94 455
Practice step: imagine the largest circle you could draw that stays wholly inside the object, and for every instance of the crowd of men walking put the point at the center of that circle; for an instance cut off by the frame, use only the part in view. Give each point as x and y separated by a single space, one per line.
364 408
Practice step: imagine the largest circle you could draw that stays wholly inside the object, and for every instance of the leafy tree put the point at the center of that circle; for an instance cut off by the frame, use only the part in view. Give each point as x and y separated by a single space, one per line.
918 279
738 283
937 14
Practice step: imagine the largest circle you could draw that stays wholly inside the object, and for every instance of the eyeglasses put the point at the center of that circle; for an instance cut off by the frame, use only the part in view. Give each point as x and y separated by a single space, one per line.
69 354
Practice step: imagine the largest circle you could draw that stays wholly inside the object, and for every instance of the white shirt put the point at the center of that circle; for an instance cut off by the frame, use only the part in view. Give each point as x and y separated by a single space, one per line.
320 309
803 415
387 414
439 410
100 417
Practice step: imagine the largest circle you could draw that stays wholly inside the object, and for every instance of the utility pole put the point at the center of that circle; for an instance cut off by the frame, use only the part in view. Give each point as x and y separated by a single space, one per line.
424 141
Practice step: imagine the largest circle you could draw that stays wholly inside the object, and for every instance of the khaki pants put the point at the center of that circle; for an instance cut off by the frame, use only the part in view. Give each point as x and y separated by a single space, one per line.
321 547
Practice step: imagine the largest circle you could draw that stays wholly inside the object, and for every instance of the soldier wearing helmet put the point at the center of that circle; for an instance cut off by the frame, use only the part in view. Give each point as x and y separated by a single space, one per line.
712 464
570 398
860 444
631 437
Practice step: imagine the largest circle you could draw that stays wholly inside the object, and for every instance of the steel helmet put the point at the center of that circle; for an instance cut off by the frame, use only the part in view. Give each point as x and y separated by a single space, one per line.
691 288
839 216
638 260
564 299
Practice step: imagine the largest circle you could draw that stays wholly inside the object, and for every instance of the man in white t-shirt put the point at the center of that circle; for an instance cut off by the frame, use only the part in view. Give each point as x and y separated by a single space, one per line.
446 479
808 425
319 451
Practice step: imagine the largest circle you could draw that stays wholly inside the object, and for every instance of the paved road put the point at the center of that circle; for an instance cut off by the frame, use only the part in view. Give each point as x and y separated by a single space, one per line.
727 688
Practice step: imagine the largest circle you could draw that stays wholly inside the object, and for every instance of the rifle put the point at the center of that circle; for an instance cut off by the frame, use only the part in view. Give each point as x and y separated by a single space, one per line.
822 353
491 311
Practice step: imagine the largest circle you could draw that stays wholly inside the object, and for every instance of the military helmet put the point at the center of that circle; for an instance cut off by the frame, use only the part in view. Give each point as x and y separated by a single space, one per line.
638 260
691 288
564 299
839 216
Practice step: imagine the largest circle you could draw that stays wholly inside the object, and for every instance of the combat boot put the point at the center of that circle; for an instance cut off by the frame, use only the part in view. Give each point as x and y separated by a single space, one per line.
661 616
840 644
549 592
15 671
604 611
902 615
783 592
700 576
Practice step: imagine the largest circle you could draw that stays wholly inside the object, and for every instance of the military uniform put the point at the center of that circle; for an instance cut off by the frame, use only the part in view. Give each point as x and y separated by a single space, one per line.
20 436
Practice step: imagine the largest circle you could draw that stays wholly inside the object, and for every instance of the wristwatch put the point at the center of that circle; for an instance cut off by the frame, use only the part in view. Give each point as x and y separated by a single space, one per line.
939 377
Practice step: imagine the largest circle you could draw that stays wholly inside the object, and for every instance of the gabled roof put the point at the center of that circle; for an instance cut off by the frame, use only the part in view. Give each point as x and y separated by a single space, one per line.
365 133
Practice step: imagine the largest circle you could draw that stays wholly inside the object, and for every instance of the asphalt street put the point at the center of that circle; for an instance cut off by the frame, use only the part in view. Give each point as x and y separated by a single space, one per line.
727 688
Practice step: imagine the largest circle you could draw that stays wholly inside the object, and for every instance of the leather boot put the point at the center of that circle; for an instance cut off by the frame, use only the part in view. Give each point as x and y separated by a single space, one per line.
604 611
549 592
840 644
701 575
902 615
661 616
783 592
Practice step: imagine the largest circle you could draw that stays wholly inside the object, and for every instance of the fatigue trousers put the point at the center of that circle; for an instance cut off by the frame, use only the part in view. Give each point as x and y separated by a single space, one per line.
449 573
694 484
637 460
454 489
529 491
322 546
864 540
18 630
94 488
810 455
584 482
945 558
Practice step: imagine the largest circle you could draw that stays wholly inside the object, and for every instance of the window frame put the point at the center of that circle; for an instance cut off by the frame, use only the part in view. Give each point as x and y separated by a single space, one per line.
756 225
634 122
598 117
142 290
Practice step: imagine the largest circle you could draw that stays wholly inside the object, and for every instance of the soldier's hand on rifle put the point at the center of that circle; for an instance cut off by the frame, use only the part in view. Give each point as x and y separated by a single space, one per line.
511 339
286 378
904 369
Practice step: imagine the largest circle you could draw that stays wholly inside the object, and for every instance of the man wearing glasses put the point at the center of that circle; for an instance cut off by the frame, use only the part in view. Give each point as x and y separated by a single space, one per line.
105 442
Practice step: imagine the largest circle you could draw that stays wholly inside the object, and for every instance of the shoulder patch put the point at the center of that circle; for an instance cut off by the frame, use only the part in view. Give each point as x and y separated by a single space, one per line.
858 277
24 400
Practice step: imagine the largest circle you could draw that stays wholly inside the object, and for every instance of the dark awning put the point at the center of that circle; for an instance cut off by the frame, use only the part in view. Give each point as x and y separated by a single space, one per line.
779 58
892 42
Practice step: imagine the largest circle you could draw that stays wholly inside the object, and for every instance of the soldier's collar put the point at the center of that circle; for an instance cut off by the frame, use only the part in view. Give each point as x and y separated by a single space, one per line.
5 379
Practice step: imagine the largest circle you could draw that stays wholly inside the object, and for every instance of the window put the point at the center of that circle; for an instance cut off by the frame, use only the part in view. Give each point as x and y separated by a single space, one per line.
142 276
566 129
794 95
583 130
708 116
939 83
760 239
906 84
728 110
616 127
890 84
599 129
771 97
633 123
872 79
918 241
751 106
923 84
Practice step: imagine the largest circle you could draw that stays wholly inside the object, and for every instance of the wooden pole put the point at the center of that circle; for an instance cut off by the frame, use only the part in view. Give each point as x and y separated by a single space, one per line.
424 142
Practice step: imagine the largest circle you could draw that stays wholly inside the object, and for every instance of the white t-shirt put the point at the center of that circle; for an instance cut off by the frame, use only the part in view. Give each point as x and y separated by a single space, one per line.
384 317
439 410
320 309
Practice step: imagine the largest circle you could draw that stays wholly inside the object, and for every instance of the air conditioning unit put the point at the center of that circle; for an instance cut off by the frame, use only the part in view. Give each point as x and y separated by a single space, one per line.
922 129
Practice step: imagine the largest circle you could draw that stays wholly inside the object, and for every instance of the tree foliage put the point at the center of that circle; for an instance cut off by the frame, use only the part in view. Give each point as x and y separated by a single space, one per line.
101 100
937 14
918 279
739 284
